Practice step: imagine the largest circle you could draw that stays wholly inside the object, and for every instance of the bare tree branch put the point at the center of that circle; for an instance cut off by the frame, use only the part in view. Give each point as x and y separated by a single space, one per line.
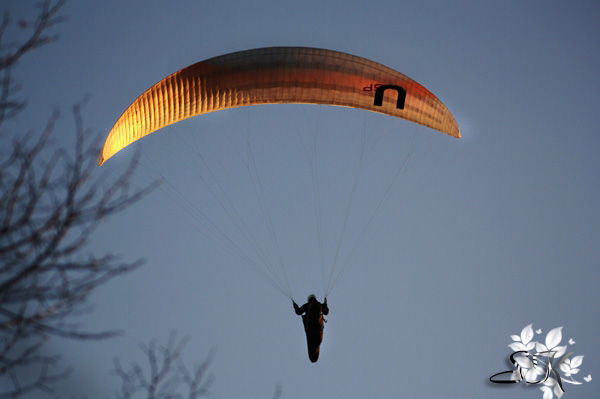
51 202
11 54
167 376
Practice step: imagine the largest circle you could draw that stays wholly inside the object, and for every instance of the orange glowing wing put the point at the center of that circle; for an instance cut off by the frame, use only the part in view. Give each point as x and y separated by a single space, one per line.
277 75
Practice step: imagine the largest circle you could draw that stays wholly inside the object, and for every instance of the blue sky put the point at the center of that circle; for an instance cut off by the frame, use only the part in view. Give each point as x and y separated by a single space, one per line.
481 237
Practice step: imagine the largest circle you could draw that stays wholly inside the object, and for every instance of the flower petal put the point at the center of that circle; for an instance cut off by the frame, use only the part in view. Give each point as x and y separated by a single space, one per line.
524 362
517 346
527 334
547 393
558 391
554 337
560 350
515 376
540 347
576 361
550 382
531 376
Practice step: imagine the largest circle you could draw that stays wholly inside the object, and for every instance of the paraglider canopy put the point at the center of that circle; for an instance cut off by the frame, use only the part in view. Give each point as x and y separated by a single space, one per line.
278 75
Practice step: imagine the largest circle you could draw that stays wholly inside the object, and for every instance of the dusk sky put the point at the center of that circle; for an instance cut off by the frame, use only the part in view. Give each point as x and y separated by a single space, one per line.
478 238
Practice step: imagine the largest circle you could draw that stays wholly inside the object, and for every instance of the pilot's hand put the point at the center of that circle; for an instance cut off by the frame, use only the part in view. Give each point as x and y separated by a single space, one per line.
295 305
325 301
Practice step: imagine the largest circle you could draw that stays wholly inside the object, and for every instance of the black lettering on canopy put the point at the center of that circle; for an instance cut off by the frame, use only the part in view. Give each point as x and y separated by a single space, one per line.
379 95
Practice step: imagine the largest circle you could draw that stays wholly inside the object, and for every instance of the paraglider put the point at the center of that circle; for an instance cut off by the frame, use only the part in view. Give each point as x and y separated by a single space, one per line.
276 75
312 317
280 75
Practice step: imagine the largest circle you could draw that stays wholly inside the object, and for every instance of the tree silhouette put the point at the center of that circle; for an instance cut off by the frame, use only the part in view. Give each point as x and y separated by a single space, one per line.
51 201
167 375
